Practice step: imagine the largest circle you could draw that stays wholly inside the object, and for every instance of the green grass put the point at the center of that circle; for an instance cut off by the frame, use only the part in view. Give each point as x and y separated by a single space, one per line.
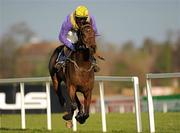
116 123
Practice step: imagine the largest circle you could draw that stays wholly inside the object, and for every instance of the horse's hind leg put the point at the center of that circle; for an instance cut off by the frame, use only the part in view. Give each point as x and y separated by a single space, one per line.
55 79
57 88
60 94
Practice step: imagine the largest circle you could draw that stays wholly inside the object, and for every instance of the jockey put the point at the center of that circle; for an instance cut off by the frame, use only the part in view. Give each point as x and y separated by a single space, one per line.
68 35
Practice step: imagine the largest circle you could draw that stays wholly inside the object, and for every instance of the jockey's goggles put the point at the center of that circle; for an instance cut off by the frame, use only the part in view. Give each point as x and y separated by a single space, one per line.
81 18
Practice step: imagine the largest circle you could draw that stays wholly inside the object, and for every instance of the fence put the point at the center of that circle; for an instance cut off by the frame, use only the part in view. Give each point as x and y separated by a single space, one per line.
99 79
30 106
149 95
135 81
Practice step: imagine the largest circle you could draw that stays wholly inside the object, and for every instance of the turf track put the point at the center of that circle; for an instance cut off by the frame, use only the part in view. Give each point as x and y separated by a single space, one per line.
116 123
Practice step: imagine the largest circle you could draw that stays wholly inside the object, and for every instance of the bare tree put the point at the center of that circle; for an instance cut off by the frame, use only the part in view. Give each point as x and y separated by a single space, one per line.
21 32
18 34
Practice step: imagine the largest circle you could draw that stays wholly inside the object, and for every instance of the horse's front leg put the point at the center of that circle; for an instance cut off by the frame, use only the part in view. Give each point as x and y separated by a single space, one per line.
80 114
87 102
79 105
72 105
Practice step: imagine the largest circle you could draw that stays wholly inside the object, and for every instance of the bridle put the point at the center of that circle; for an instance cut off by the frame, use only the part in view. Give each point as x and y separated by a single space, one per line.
85 36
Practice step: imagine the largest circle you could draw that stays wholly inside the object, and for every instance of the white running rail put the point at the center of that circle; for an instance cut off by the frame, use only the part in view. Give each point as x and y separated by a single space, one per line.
21 81
149 94
99 79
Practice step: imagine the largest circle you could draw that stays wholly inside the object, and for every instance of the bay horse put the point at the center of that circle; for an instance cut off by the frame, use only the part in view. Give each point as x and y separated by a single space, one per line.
78 75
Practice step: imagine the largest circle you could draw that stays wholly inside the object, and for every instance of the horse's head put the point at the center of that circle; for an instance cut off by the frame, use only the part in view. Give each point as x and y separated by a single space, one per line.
86 37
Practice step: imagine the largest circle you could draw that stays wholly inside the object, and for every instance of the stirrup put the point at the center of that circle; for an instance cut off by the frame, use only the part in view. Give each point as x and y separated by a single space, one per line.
59 65
96 68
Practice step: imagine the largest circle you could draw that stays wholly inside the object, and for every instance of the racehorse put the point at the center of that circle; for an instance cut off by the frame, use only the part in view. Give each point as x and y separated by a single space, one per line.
78 75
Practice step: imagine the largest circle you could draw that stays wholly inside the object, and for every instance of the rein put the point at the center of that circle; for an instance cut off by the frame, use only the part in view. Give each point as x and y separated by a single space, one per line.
79 68
85 42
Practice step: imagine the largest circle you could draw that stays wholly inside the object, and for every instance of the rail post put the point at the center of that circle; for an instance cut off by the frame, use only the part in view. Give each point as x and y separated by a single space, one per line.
48 105
23 121
137 104
150 106
103 110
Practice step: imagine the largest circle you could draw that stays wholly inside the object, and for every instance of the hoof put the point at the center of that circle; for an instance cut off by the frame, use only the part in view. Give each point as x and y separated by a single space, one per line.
82 121
69 124
81 118
68 116
86 116
74 106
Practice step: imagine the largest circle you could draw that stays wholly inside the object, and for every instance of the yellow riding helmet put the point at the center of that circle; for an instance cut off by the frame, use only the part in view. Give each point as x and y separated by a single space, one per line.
81 11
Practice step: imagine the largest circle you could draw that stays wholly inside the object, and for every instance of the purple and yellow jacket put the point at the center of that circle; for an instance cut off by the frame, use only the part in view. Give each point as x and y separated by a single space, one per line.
70 24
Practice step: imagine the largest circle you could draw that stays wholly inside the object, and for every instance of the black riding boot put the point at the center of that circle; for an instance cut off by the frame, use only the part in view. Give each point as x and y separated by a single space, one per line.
62 57
60 61
96 67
